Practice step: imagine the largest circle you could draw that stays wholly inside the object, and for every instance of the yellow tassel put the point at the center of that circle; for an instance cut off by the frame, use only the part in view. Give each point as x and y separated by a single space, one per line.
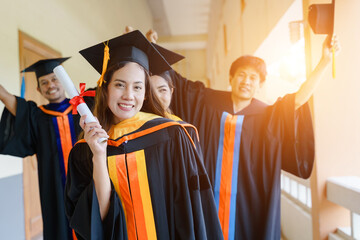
105 64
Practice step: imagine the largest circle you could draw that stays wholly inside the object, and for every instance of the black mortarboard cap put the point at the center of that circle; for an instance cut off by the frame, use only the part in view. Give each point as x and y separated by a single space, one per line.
170 56
321 18
45 66
133 47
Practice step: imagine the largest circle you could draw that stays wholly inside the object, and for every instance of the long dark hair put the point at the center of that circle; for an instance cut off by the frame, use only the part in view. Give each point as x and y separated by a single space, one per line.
102 111
167 77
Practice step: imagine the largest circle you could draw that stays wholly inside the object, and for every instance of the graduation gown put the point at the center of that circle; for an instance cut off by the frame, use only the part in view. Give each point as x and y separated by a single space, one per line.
192 131
245 152
160 189
48 131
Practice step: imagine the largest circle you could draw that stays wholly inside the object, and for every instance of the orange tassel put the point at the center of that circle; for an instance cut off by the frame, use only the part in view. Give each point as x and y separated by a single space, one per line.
105 64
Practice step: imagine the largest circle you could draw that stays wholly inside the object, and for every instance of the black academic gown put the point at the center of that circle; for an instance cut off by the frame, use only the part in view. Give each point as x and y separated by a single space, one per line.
160 188
48 131
191 131
245 152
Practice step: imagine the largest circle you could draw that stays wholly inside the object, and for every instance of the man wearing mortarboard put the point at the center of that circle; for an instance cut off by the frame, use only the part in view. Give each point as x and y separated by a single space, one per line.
246 143
49 131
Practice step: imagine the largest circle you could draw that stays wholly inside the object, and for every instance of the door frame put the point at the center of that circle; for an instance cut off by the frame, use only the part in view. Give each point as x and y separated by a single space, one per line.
26 42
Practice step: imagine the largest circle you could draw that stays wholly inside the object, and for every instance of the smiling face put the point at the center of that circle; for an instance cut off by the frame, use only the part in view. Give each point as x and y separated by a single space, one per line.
51 88
126 91
162 90
244 83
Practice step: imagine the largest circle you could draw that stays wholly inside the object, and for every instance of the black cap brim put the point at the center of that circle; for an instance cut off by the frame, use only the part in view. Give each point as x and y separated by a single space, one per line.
45 66
126 48
321 18
170 56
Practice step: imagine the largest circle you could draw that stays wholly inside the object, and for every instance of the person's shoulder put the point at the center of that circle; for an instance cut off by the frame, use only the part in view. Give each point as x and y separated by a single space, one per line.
186 125
218 99
178 128
80 150
259 104
256 107
80 159
163 122
24 107
166 123
23 101
286 98
284 103
153 122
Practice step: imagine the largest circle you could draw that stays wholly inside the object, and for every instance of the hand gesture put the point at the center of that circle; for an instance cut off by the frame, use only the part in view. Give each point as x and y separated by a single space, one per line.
152 36
329 46
92 132
128 29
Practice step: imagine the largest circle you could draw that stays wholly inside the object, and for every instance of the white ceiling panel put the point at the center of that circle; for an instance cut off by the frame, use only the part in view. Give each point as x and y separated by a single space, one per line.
187 17
180 17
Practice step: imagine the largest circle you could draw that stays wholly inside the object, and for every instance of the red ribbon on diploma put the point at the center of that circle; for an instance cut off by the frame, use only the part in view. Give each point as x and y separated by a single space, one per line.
75 101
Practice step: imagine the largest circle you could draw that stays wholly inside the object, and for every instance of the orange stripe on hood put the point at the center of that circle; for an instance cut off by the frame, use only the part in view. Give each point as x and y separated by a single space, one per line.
55 113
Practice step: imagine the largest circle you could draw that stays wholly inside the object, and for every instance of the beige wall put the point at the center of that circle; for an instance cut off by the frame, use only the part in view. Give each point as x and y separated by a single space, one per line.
337 118
245 29
193 66
66 26
193 48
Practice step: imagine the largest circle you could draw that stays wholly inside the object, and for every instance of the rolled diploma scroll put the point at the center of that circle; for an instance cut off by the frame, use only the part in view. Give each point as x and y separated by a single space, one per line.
82 108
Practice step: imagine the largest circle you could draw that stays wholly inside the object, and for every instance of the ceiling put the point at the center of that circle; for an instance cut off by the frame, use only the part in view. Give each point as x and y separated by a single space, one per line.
173 18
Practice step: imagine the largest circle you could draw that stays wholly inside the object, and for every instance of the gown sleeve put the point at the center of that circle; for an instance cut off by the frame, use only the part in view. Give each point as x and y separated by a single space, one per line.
81 203
194 135
18 133
194 205
192 101
295 131
193 209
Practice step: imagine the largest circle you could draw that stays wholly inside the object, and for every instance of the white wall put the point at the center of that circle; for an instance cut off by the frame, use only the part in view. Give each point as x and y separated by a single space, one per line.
336 118
296 223
67 26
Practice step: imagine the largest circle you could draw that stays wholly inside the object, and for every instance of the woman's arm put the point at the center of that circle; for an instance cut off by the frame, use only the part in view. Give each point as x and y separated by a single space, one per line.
92 132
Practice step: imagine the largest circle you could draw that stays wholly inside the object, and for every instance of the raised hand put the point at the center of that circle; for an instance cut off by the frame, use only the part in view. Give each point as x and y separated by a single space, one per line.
128 29
152 36
92 132
328 46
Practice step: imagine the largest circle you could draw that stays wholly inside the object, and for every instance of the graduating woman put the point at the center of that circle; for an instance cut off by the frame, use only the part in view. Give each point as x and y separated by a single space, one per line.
147 181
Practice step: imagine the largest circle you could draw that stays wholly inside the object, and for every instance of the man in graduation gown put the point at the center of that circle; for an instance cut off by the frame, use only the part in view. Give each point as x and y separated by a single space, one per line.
246 143
49 131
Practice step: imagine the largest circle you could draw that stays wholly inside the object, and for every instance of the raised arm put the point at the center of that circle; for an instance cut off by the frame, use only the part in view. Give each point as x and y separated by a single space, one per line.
8 99
152 36
309 86
92 132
